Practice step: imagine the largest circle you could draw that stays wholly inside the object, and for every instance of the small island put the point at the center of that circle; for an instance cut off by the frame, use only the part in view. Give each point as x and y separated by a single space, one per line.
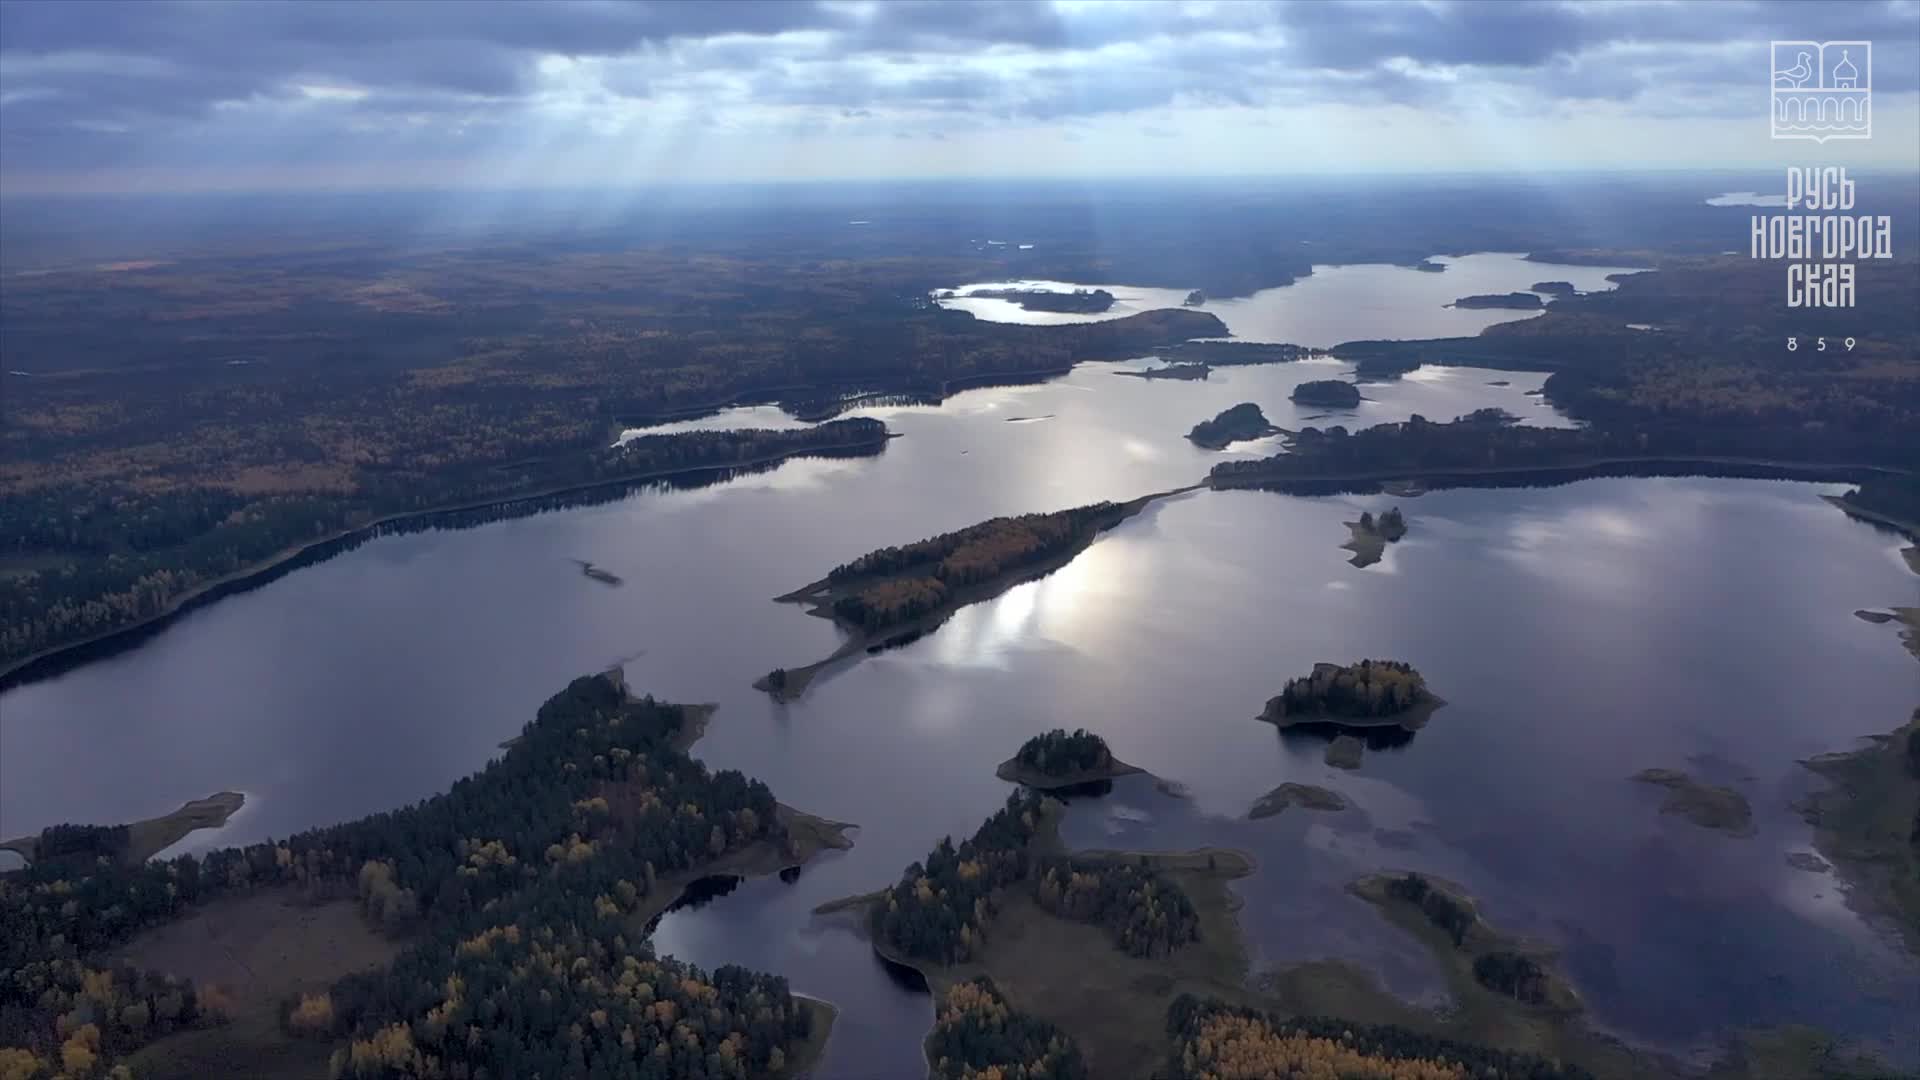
1721 809
1170 371
1326 393
1370 537
1194 299
1369 694
1345 752
1428 266
1057 759
1516 301
1552 288
1077 302
1242 421
604 577
1303 795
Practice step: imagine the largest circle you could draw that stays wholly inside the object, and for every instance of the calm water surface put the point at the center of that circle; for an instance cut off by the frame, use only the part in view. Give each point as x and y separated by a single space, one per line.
1333 305
1580 634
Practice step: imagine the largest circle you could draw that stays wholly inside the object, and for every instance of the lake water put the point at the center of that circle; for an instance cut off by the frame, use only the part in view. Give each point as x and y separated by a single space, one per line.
1580 633
1334 305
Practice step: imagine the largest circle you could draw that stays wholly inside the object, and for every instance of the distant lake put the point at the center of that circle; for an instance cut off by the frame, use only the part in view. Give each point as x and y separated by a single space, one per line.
1580 633
1333 305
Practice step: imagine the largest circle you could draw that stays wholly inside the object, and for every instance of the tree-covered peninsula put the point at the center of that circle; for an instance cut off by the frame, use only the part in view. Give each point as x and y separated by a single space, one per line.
1059 759
1371 693
894 594
1242 421
523 896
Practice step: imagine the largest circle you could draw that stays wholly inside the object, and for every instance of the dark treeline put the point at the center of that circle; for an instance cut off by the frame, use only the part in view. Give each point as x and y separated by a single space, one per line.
1453 918
1079 301
537 863
125 556
1514 974
1487 442
1893 497
977 1036
85 841
1057 753
918 578
1213 1039
1147 914
1370 688
939 910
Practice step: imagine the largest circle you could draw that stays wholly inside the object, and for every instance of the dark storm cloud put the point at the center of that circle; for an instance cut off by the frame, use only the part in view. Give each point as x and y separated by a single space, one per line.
84 81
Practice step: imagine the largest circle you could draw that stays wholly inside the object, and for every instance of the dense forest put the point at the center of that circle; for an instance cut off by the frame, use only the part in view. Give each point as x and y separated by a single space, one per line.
918 578
126 556
939 910
977 1036
1366 690
1217 1041
1891 498
1057 753
1147 914
531 870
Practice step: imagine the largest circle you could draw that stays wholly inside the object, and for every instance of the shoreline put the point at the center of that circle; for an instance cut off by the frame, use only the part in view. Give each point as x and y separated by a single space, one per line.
27 669
1412 718
1654 465
1013 772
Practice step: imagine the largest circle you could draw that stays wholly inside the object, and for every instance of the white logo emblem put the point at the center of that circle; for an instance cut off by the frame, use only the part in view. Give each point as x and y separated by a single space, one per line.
1822 90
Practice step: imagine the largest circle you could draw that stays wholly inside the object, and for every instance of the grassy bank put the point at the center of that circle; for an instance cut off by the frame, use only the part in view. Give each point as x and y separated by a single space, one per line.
1865 822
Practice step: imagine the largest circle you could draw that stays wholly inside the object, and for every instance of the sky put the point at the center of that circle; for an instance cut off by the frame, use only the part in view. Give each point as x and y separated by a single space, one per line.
190 95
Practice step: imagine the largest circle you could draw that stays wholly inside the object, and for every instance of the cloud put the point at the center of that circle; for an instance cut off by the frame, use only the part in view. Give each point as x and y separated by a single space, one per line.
152 82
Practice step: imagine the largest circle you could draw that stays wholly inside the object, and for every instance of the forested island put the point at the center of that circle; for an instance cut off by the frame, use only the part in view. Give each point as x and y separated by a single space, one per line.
1552 288
520 900
1371 693
1079 301
1326 393
1444 917
1058 759
892 592
1516 301
1242 421
1196 298
1368 538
